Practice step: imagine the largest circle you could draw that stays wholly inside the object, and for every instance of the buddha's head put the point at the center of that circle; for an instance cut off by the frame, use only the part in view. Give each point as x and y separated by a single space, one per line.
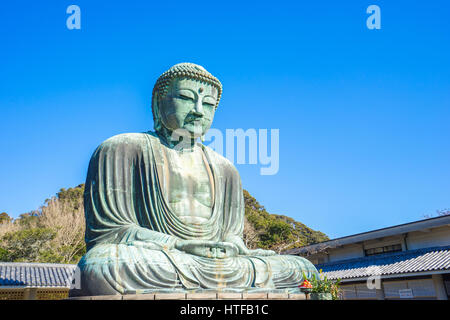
185 97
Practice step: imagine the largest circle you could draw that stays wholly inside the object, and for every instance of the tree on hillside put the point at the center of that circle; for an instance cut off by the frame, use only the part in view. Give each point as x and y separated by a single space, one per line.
64 213
250 236
26 245
275 232
73 197
4 217
29 219
54 233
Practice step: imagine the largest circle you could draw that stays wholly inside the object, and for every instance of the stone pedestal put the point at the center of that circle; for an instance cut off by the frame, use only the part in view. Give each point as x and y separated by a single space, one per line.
201 296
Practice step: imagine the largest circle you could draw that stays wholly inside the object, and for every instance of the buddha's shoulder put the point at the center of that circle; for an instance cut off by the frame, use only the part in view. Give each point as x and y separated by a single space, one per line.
133 140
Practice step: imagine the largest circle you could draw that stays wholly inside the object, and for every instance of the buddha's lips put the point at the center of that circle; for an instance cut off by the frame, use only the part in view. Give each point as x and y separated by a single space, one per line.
193 120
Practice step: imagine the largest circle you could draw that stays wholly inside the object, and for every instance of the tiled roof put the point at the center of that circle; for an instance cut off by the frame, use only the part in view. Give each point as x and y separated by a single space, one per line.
36 274
420 260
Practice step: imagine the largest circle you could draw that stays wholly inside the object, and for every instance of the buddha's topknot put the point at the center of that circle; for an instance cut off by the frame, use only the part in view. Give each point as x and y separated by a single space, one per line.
189 71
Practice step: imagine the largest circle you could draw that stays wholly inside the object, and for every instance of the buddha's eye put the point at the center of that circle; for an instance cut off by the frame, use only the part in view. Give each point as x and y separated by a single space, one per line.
186 95
210 102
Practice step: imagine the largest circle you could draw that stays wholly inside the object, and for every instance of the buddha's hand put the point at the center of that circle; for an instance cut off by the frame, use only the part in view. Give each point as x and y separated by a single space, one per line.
243 250
208 249
260 252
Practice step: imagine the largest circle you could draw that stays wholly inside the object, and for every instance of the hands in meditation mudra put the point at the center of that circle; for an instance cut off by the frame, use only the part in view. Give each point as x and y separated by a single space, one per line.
166 213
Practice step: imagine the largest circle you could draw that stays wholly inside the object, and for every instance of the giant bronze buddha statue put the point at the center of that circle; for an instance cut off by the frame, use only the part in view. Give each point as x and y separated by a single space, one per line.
166 213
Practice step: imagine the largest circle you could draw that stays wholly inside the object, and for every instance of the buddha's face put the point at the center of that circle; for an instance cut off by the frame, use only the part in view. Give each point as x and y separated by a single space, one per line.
189 105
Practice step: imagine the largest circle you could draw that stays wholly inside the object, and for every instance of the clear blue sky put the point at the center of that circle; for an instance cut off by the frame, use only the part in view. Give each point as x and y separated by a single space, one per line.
363 114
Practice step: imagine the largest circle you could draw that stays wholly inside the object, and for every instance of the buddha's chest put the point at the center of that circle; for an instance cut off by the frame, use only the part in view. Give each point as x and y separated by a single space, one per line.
188 185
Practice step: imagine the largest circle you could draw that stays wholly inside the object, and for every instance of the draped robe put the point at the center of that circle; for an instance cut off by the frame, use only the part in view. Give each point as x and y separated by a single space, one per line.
131 229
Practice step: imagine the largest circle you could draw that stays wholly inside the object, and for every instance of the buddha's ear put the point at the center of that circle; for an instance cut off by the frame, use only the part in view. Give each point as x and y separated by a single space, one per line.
155 110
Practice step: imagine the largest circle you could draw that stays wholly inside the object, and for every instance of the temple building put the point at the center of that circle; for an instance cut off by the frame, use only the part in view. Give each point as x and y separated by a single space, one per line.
407 261
35 281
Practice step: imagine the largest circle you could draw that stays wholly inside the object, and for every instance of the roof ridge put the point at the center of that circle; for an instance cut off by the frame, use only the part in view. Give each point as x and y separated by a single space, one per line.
36 264
384 255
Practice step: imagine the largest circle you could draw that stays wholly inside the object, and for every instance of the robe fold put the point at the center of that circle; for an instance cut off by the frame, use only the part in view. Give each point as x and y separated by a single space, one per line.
131 229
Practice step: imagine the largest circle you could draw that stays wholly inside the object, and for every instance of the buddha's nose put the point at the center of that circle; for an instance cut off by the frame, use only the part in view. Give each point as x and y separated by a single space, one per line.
198 109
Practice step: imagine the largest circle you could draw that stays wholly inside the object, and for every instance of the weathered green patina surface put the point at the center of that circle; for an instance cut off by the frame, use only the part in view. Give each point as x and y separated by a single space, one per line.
165 213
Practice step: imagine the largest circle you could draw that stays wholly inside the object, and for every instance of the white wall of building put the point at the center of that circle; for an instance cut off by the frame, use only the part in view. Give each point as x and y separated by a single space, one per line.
435 237
347 252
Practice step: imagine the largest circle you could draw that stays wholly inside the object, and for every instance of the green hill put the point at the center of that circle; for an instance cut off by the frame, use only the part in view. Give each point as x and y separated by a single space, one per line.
273 231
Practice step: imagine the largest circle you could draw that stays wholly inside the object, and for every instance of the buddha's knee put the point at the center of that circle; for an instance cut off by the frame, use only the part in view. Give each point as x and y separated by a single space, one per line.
288 271
120 268
301 264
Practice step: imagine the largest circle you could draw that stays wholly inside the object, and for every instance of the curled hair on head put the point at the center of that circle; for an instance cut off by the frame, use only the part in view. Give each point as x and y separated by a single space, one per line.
183 70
